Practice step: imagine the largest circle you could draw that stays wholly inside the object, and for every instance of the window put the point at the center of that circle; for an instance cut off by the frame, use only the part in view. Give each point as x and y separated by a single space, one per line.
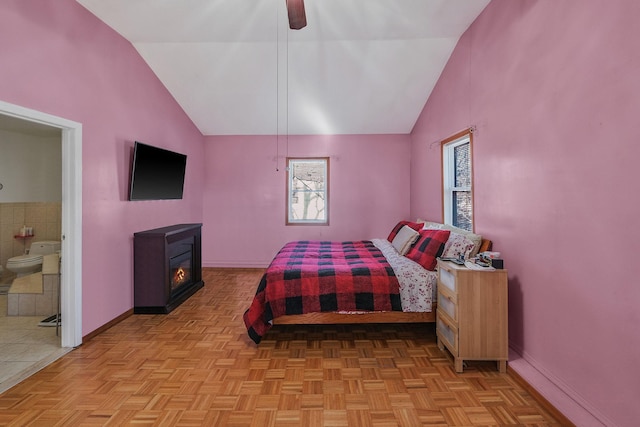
457 180
308 191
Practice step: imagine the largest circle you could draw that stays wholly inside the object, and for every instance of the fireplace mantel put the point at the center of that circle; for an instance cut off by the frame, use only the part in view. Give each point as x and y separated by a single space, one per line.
156 252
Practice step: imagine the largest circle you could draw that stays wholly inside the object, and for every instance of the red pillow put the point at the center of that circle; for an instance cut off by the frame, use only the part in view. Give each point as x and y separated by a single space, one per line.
429 246
415 225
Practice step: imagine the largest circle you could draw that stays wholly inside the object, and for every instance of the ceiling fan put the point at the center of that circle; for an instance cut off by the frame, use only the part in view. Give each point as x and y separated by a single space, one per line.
297 16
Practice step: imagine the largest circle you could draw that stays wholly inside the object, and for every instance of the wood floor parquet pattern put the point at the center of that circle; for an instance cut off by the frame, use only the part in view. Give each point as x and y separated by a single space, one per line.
197 367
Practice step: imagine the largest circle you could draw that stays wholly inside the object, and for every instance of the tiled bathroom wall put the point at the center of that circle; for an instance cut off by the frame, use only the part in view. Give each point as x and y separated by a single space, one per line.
44 217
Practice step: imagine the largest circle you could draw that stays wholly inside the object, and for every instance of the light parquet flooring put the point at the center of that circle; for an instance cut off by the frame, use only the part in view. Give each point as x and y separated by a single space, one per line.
197 367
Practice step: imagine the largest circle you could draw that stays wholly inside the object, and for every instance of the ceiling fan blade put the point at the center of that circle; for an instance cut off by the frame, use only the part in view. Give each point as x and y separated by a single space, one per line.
297 16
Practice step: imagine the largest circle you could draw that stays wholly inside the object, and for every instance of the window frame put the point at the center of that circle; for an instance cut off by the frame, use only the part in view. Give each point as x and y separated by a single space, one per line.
448 174
288 219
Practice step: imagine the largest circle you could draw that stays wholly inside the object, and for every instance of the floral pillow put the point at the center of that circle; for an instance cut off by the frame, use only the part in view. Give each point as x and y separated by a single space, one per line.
428 247
456 245
413 225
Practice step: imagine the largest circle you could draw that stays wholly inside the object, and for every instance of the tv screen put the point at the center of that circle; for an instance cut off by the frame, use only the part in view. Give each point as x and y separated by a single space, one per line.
156 174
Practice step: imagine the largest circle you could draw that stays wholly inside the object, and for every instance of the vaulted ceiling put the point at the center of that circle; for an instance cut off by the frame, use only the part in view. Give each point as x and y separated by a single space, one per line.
235 67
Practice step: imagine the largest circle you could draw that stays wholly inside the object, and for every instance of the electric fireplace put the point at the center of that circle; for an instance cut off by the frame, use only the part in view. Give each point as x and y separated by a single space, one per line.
167 267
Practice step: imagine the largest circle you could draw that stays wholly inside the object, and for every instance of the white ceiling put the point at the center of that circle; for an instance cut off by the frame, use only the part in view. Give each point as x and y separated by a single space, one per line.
358 67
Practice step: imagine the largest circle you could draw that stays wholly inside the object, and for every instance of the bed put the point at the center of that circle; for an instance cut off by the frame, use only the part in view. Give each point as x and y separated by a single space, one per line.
390 280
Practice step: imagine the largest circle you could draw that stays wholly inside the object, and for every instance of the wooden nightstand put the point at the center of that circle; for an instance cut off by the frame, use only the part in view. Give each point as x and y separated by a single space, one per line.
471 319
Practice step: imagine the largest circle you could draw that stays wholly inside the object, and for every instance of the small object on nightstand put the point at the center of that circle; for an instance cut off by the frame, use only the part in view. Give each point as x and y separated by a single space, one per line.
459 260
497 263
492 258
482 263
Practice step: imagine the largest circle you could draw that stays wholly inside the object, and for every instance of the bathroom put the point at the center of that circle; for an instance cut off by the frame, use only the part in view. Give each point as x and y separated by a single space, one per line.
31 197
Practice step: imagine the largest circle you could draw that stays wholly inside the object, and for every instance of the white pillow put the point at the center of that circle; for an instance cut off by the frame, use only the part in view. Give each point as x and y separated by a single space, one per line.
404 239
430 225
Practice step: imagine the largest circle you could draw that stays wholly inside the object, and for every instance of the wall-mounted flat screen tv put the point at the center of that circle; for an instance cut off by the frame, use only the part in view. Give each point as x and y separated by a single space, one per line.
156 173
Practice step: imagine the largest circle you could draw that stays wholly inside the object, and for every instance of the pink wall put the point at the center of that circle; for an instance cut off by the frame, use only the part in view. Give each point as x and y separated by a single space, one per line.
553 89
57 58
244 195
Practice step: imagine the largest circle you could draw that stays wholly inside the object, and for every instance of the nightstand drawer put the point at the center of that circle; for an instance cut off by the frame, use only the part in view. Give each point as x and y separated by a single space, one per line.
446 278
447 303
447 331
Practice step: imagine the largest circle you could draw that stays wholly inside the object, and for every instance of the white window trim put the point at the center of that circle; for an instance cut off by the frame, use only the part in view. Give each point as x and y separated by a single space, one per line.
448 175
289 219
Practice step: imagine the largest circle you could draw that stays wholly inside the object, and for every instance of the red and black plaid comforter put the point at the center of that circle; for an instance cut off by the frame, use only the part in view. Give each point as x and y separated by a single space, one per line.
319 276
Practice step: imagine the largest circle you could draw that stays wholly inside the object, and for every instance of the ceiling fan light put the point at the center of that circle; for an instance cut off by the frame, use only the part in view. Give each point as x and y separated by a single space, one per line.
297 16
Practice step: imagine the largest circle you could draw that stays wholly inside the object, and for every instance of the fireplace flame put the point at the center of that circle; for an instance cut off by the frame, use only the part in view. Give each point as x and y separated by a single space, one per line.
179 276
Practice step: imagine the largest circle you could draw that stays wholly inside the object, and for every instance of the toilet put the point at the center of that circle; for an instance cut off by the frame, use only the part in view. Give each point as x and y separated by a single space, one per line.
32 262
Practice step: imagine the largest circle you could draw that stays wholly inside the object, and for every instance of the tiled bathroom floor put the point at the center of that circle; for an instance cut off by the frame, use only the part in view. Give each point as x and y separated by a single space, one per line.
25 347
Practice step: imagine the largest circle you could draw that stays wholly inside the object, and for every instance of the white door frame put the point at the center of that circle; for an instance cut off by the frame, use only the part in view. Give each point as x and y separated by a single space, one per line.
71 238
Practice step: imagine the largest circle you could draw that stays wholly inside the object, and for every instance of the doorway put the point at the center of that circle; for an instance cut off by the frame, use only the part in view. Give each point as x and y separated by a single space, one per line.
71 236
